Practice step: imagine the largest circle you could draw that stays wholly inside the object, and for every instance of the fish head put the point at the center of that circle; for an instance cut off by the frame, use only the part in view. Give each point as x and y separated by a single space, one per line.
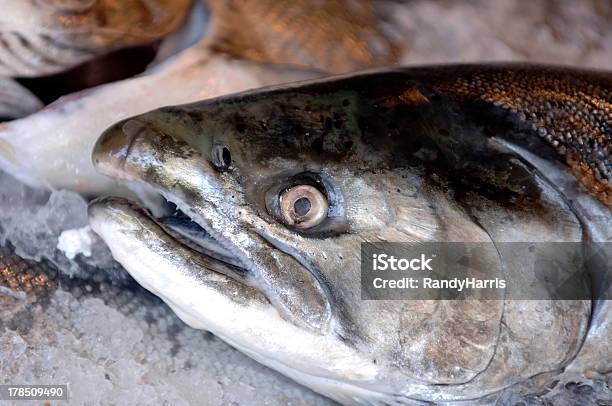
289 187
288 183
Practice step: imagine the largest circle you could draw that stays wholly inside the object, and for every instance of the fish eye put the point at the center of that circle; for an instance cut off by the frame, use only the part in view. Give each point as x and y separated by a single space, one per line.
222 158
303 206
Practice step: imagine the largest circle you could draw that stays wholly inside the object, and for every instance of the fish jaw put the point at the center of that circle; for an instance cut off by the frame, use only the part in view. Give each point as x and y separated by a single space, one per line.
235 312
134 150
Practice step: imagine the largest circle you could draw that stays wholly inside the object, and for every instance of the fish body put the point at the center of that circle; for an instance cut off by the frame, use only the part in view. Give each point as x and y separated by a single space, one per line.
41 37
289 181
331 36
52 148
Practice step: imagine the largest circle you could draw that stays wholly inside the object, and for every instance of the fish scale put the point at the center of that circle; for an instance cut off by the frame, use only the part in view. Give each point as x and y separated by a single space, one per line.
571 114
21 275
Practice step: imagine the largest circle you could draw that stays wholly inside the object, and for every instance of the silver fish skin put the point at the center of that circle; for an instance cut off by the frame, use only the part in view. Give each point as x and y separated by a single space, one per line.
40 37
439 153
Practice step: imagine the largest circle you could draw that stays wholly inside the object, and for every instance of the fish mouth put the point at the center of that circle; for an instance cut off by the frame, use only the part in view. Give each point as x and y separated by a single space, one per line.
186 231
215 256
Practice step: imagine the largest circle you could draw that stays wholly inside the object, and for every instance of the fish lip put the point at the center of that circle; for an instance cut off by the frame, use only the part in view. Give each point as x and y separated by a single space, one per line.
244 270
232 270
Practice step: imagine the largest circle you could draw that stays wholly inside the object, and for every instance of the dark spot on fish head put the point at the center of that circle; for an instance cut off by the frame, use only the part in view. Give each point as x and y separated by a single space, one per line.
317 145
195 117
380 109
327 126
221 158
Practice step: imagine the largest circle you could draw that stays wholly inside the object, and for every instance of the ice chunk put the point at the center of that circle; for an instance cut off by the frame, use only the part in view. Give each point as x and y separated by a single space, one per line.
12 345
76 241
32 220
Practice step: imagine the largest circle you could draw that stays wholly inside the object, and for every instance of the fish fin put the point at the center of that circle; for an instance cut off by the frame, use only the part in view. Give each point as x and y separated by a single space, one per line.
15 100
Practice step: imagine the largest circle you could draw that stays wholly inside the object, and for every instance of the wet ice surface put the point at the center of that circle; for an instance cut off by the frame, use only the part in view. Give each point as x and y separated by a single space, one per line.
109 339
130 350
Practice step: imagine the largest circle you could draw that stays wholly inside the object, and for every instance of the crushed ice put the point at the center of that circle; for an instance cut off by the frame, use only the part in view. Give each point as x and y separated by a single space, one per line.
53 226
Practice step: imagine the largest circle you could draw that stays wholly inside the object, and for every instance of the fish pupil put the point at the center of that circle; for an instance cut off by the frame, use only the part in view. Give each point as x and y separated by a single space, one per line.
302 206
